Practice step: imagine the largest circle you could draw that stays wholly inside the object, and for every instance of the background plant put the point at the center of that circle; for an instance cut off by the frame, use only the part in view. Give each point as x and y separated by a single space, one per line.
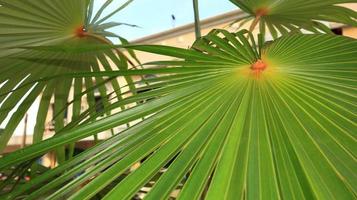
45 23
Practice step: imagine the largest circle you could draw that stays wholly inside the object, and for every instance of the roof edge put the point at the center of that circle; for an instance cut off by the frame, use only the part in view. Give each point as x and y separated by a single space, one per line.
188 28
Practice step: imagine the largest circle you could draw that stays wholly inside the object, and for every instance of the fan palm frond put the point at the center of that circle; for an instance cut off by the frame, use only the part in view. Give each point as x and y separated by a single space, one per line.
282 17
230 121
43 23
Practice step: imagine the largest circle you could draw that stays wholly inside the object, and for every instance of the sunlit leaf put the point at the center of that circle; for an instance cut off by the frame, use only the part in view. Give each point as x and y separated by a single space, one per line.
46 23
286 16
270 123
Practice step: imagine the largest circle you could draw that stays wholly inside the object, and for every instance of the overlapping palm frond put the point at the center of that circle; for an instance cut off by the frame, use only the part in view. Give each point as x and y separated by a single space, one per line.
281 17
43 23
227 121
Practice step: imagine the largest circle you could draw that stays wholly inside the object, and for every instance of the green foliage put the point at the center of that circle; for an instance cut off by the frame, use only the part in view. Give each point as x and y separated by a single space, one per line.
42 23
283 17
228 118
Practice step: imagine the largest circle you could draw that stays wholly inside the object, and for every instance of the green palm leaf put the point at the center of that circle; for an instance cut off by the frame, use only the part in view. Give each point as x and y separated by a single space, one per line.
270 123
43 23
282 17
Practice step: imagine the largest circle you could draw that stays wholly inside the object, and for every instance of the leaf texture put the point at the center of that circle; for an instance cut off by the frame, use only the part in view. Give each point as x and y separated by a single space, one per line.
44 23
230 130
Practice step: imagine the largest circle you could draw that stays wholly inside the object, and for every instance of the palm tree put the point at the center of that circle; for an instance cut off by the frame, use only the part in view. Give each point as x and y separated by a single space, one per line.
232 117
44 23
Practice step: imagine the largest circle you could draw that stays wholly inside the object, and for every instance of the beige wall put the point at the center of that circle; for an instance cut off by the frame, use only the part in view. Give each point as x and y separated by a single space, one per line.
350 32
185 40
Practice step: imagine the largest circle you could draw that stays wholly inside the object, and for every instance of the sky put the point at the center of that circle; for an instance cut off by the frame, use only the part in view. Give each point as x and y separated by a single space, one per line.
154 16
